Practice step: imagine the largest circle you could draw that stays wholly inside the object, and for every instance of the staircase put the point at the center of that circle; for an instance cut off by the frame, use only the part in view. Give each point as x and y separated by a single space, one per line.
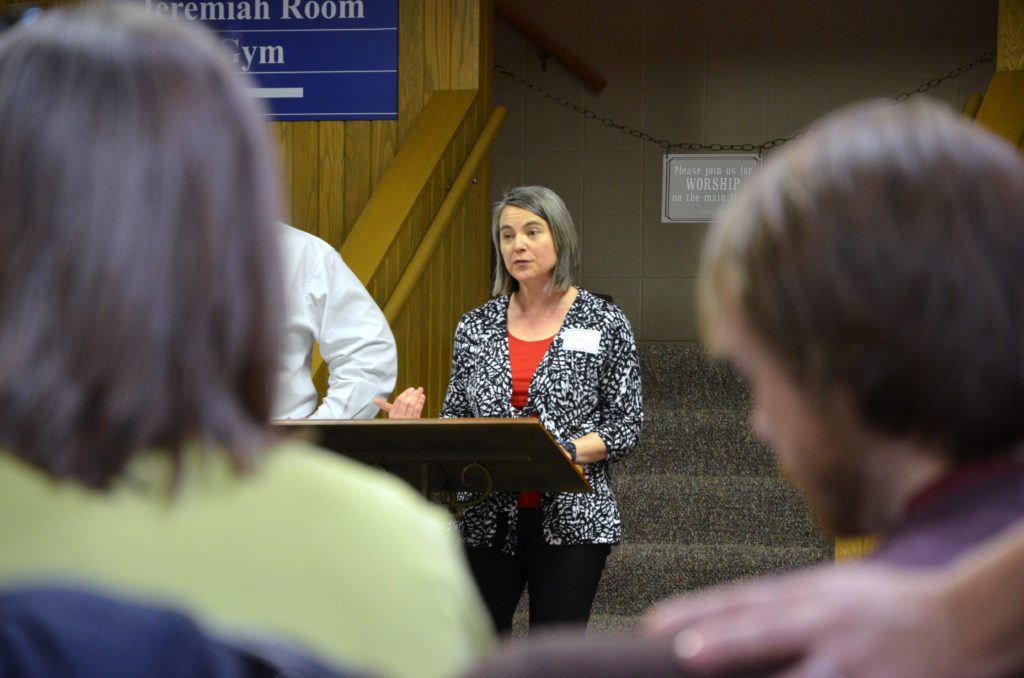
702 500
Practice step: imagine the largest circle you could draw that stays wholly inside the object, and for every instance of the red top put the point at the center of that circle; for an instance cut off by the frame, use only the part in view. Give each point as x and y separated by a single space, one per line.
524 357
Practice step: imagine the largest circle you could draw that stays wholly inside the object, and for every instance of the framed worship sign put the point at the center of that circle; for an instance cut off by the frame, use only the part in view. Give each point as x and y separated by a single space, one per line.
696 186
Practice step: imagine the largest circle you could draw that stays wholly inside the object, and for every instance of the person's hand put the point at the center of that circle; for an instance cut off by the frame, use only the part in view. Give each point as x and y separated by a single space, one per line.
407 405
846 621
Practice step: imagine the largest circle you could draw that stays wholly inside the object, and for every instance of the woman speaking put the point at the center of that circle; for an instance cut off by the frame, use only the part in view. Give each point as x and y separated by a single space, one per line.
545 348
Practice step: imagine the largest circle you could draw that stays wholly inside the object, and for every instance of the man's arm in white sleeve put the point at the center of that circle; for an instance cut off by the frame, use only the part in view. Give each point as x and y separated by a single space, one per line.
355 343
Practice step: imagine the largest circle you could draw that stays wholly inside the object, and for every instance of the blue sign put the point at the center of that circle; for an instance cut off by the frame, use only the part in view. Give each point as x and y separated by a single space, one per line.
311 59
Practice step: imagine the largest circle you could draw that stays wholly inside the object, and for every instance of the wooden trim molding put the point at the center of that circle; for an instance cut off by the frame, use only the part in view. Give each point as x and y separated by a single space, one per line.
549 45
396 195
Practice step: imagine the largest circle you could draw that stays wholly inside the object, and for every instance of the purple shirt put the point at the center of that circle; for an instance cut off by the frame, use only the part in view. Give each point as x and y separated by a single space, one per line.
957 513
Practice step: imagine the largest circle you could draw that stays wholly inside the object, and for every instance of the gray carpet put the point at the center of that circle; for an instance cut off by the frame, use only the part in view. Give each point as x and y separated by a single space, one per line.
702 500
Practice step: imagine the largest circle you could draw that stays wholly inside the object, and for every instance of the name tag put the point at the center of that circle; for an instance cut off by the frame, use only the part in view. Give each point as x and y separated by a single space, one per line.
588 341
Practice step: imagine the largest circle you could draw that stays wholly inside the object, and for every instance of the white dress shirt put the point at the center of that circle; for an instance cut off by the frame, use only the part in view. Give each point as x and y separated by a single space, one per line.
325 302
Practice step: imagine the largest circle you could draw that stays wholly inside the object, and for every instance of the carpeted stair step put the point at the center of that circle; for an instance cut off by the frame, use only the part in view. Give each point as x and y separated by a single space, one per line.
684 375
698 442
712 510
639 574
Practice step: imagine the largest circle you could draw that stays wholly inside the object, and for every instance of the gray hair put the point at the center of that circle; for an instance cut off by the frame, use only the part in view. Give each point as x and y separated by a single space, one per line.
546 204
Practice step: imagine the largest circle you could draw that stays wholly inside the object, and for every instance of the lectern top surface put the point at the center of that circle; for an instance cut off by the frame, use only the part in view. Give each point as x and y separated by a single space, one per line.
519 454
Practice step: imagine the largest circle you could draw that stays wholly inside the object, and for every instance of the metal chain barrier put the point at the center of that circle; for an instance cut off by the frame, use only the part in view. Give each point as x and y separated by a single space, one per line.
955 73
760 148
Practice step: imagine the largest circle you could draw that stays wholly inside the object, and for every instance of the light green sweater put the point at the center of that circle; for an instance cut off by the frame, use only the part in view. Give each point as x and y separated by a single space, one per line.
323 551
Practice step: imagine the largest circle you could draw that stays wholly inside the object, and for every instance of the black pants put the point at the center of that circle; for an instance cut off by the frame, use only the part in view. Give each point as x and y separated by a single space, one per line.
562 579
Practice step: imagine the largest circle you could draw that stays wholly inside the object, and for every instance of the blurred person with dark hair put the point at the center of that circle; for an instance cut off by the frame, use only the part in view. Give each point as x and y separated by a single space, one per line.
139 328
868 285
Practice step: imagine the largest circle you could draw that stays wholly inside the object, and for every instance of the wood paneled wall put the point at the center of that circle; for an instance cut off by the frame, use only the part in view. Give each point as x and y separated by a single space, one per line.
330 169
1010 49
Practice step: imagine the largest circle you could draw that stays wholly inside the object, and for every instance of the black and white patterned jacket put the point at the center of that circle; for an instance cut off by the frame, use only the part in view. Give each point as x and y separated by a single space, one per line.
573 392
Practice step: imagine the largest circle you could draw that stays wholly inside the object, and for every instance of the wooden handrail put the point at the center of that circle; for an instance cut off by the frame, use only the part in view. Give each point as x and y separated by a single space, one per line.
439 225
971 105
550 45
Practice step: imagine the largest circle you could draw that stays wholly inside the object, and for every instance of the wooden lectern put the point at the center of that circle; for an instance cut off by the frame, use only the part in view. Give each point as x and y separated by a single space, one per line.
445 456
